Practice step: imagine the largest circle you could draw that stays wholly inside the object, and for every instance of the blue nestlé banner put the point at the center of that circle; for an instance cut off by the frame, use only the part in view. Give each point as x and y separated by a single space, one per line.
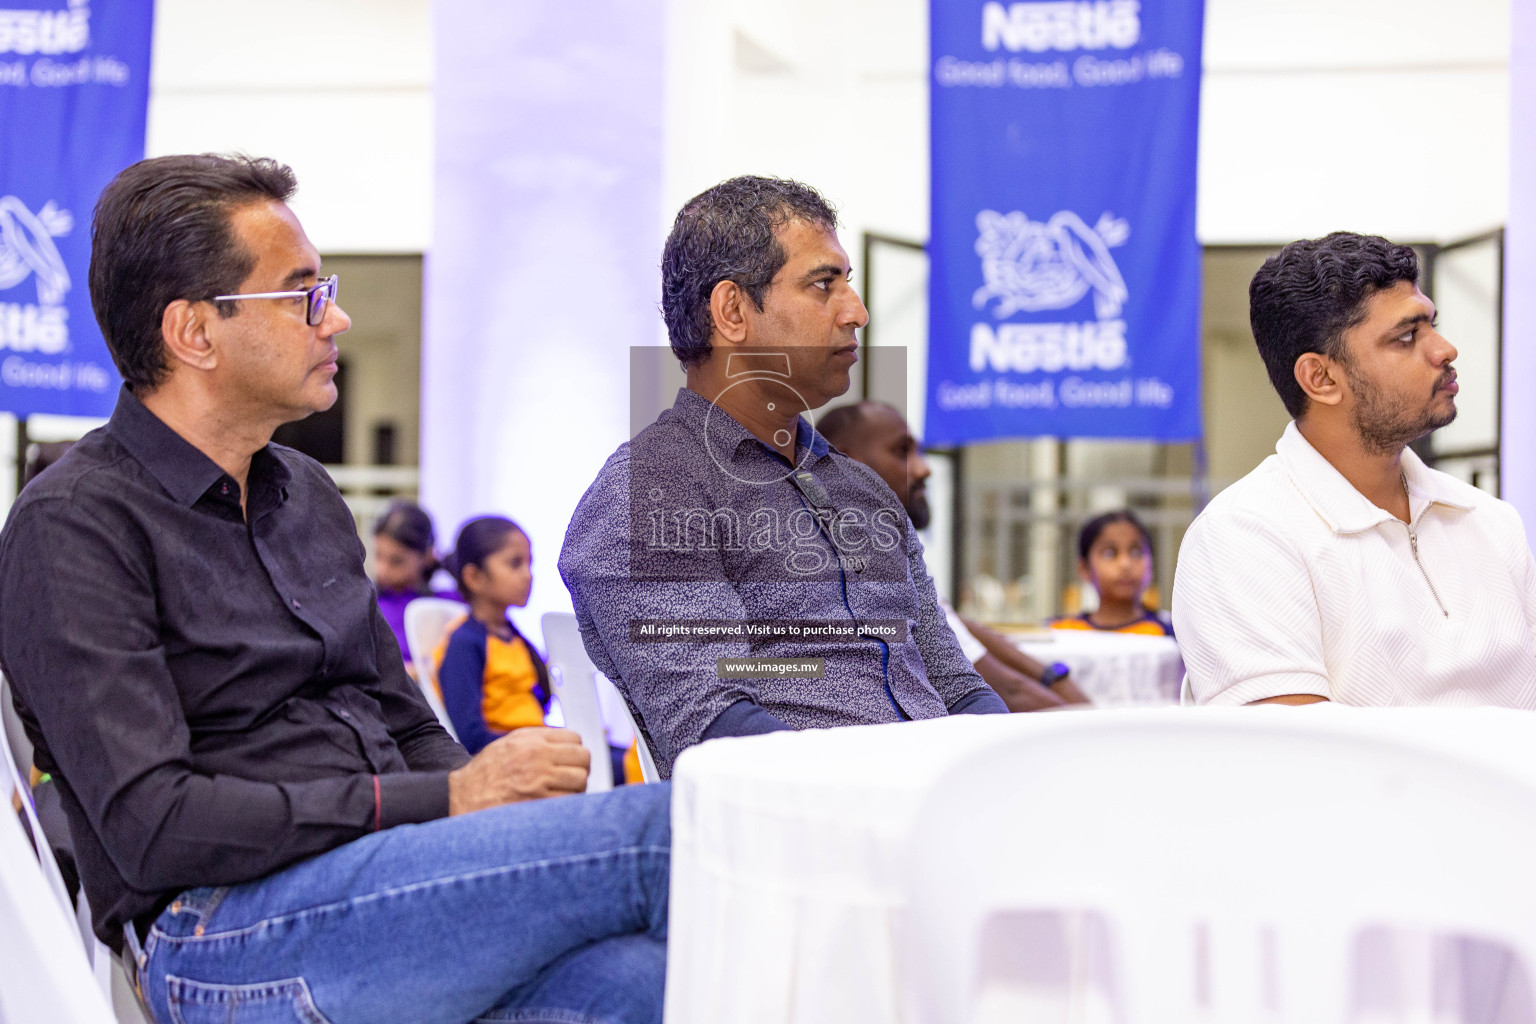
74 90
1065 274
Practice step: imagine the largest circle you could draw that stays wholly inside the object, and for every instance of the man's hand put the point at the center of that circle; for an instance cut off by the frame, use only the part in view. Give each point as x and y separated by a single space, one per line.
525 764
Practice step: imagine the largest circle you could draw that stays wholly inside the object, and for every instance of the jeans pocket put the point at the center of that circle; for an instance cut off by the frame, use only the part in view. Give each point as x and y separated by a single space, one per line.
271 1002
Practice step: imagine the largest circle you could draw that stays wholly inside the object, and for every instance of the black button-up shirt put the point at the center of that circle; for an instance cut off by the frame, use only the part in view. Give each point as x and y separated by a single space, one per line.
216 693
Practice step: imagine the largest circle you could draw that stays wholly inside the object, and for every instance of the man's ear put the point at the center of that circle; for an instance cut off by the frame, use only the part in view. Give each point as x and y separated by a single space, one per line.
184 330
1320 378
727 302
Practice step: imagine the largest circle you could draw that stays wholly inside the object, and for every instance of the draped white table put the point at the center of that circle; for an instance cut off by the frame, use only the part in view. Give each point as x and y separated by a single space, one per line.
787 868
789 856
1113 669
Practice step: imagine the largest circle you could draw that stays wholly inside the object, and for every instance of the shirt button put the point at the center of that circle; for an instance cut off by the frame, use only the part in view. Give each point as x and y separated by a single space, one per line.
296 603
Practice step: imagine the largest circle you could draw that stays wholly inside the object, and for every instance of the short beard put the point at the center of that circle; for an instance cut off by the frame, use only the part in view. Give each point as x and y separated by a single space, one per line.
917 510
1384 428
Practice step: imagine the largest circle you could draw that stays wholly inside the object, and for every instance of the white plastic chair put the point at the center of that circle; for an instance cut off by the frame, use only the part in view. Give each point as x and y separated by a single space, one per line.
45 972
648 770
574 679
1231 865
566 647
616 717
426 621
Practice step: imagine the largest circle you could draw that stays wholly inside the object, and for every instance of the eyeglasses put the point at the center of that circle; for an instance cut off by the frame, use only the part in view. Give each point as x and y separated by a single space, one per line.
316 300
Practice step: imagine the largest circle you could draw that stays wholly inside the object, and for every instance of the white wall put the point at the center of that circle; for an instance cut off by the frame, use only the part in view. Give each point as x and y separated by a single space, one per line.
542 273
1386 116
341 90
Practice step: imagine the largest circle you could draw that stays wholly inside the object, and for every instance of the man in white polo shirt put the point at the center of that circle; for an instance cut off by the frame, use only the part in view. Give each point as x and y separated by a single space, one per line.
1343 568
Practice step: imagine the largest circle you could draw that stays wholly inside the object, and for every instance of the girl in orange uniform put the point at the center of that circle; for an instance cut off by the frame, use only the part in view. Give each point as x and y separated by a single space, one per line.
491 678
1115 556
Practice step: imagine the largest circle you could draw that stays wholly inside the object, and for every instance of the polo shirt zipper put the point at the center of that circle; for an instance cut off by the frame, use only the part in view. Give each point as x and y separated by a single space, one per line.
1413 543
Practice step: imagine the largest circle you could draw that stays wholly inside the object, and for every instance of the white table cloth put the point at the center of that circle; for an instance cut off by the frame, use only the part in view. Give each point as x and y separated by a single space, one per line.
787 860
1113 669
789 851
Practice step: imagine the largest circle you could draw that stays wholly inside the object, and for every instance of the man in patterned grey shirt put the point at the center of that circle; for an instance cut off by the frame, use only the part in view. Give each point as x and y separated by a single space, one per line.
732 573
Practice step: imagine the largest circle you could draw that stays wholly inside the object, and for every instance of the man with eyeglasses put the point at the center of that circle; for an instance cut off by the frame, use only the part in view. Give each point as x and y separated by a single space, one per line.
267 817
732 574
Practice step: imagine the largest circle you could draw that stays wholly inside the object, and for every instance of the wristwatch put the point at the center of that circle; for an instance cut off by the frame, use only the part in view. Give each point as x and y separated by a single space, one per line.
1055 674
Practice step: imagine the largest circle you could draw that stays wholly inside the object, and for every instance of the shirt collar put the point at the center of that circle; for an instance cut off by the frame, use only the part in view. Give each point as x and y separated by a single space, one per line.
184 471
725 434
1345 509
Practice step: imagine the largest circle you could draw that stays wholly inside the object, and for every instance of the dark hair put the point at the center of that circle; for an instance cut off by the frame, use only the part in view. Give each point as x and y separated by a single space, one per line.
407 523
1308 294
838 425
728 233
1094 527
478 540
161 233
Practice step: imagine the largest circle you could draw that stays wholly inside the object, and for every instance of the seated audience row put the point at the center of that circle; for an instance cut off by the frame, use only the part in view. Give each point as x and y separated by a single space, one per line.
200 661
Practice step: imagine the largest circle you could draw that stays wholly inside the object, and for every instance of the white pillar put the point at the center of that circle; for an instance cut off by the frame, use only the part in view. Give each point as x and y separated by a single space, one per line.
1517 454
543 269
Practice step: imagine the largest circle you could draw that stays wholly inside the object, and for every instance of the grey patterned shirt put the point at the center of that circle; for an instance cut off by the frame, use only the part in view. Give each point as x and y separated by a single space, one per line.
696 519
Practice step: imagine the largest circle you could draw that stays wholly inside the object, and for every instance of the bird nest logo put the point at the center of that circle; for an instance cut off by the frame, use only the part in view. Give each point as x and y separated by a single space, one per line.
27 250
1031 266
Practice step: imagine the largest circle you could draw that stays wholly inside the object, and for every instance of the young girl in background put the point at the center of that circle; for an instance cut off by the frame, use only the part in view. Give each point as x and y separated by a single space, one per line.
1115 557
491 678
404 560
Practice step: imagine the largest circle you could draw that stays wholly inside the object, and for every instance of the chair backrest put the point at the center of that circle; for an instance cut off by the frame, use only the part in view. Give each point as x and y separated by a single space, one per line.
574 678
648 770
15 733
1231 864
426 620
562 638
45 971
616 717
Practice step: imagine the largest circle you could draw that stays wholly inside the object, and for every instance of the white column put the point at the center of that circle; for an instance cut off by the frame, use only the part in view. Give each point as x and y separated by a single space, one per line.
543 268
1517 455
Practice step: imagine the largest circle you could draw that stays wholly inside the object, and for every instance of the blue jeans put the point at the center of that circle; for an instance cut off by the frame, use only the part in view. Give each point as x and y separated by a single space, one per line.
552 911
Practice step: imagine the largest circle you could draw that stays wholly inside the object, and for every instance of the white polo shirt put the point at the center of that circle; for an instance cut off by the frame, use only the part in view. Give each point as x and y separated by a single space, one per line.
969 645
1291 581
